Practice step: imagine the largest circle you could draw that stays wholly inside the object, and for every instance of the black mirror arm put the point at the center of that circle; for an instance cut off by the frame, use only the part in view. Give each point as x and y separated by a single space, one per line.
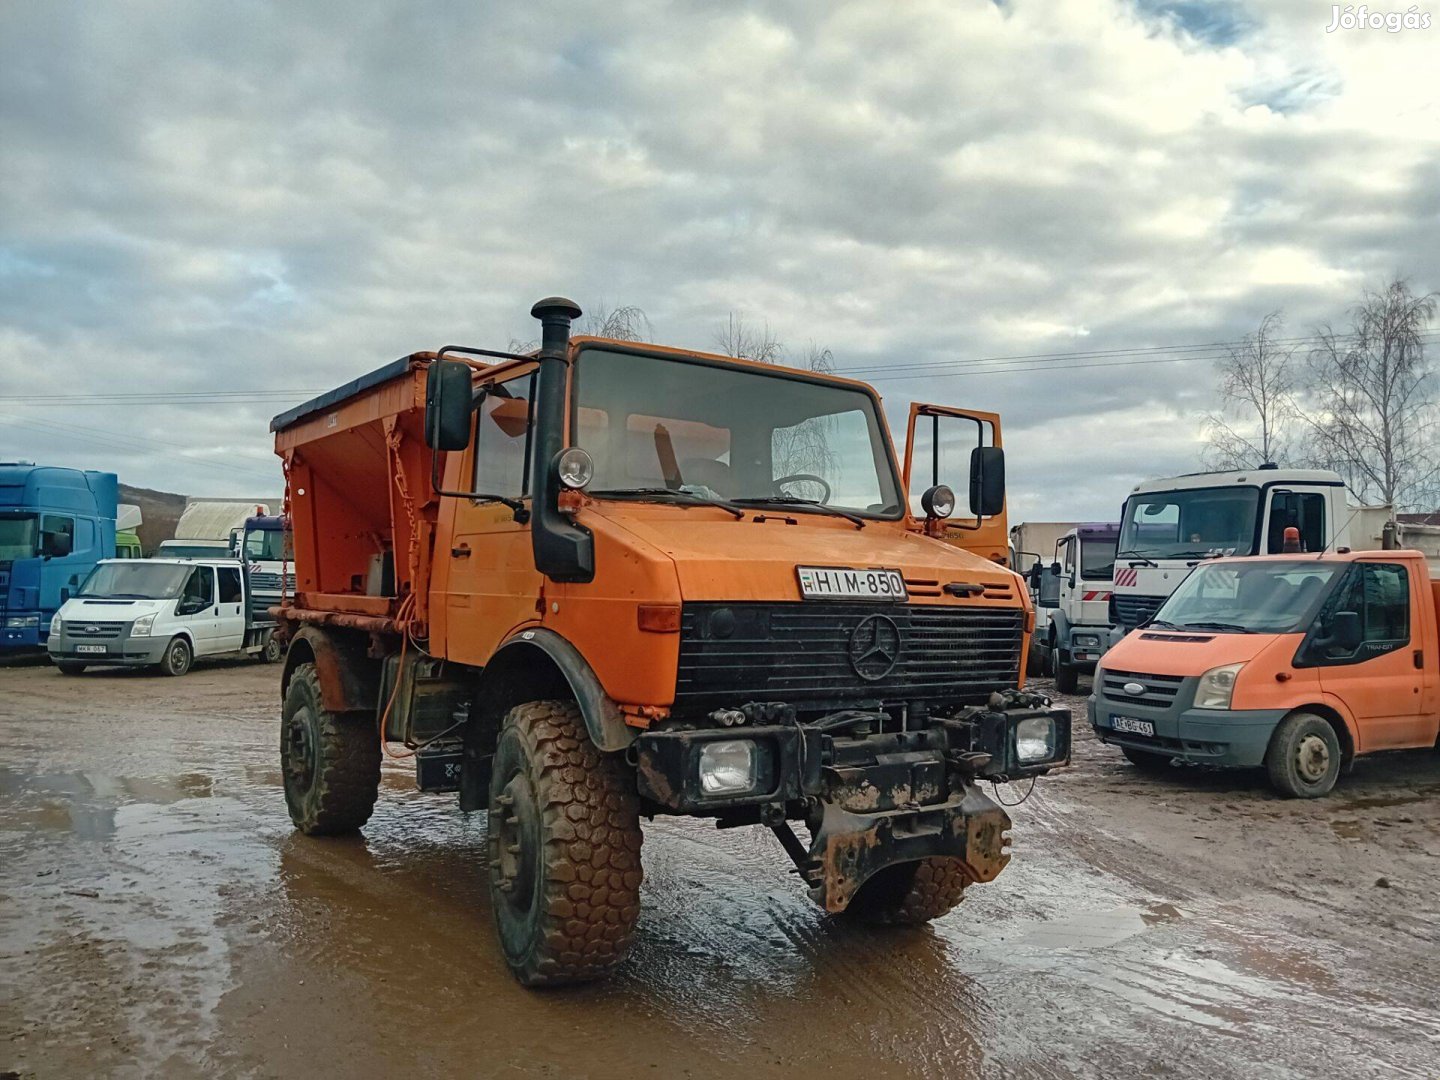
517 506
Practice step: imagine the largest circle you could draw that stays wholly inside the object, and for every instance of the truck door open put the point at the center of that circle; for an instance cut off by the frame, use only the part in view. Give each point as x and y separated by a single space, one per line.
940 448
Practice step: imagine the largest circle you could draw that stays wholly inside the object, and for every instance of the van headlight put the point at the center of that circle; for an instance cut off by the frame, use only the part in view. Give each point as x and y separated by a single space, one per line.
1034 740
57 626
1217 687
141 626
728 767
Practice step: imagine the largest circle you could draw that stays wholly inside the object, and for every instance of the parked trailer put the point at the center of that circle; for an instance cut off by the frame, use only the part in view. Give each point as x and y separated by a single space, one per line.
612 580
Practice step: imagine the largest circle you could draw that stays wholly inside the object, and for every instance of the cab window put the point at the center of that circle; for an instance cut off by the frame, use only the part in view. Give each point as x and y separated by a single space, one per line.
57 535
1300 510
1380 594
230 592
199 591
502 438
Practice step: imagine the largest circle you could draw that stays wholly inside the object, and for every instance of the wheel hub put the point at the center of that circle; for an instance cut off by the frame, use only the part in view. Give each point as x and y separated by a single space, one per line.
514 822
1312 758
300 752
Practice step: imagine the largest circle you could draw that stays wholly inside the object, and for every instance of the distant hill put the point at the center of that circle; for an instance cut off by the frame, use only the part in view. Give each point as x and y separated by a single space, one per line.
160 510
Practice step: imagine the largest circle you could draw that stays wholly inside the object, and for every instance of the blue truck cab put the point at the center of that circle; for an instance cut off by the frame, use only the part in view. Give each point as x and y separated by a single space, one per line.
55 525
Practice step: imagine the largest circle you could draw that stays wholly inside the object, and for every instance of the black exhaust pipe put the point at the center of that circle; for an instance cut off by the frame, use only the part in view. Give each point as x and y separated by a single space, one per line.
563 550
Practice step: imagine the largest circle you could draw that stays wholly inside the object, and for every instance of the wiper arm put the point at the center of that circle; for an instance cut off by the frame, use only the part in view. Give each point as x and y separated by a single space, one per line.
1136 555
673 495
1230 626
813 505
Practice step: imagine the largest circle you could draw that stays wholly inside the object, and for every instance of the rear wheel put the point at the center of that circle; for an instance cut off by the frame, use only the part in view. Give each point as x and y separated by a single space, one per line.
910 894
178 658
564 846
1146 760
69 667
1067 678
272 653
330 761
1304 756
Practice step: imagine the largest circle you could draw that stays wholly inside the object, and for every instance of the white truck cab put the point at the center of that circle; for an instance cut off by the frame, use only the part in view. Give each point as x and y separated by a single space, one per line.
1075 588
161 613
1169 525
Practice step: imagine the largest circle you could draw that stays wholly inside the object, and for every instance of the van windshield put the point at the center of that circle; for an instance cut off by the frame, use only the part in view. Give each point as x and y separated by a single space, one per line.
135 581
1190 524
17 537
1248 597
657 427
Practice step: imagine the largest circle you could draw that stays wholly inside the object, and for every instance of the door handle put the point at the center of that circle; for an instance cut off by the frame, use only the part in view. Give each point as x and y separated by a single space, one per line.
1420 659
461 552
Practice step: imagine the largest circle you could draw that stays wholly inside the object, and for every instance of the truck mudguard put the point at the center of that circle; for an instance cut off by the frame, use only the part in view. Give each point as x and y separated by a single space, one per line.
603 719
349 680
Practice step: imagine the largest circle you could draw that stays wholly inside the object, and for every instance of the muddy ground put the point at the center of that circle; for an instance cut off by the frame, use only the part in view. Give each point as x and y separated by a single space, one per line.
159 918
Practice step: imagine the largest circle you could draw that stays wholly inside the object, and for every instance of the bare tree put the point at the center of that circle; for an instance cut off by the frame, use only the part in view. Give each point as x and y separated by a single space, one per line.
1374 411
1257 388
748 342
624 323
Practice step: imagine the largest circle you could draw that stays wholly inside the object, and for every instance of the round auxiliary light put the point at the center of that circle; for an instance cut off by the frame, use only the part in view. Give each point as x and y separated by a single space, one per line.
575 467
938 502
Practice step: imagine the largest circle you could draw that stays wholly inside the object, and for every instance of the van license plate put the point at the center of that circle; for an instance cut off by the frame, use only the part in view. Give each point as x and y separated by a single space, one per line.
843 583
1133 726
90 648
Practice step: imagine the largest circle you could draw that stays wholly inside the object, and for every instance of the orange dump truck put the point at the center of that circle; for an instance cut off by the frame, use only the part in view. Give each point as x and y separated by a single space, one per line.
1299 663
608 581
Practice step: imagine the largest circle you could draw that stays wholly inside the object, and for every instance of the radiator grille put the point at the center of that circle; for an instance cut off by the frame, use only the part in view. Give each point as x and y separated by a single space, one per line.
811 653
264 581
93 631
1159 690
1132 610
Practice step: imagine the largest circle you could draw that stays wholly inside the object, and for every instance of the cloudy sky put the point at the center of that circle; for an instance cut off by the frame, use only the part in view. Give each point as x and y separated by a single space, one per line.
210 210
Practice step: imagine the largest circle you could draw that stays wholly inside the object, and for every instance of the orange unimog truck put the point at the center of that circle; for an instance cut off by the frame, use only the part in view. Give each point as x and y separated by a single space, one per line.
1300 663
608 581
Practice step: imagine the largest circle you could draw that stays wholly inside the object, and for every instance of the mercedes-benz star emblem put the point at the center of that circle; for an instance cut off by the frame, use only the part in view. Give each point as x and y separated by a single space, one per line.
1134 689
874 647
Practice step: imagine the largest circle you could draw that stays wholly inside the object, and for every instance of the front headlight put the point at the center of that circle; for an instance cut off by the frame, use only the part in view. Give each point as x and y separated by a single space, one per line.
1034 740
1087 641
141 626
23 622
1217 687
56 625
727 767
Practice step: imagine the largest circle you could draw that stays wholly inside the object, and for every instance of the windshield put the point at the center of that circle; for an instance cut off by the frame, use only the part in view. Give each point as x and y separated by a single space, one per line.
265 545
1258 597
135 581
717 432
1097 560
1190 524
17 537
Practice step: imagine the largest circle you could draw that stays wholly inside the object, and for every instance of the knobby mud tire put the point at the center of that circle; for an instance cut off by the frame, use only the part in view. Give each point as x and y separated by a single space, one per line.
567 845
330 762
910 894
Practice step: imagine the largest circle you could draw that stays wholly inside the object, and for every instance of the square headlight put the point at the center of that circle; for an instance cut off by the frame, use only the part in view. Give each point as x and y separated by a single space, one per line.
1034 740
1087 641
728 767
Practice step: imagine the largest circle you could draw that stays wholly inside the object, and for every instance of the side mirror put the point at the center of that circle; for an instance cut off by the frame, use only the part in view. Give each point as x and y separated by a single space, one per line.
987 481
1345 631
447 405
1056 569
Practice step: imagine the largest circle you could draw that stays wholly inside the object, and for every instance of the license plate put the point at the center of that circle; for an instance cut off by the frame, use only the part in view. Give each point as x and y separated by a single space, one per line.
843 583
1132 725
90 648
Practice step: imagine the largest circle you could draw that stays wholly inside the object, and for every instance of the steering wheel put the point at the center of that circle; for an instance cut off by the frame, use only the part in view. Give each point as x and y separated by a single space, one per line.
810 477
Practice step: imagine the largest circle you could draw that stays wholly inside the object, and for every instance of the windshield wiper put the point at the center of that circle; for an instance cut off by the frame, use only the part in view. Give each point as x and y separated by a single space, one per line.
1234 628
680 498
1136 555
813 505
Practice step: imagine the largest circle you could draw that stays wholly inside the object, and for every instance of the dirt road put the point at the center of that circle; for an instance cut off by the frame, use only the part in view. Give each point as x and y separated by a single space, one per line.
159 918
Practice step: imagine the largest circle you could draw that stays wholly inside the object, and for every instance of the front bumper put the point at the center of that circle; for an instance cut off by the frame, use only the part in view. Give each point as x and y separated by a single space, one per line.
121 651
1227 737
870 798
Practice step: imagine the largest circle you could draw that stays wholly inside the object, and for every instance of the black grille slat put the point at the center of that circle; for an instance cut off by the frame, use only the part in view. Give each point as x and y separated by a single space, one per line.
800 653
80 628
1133 610
1160 690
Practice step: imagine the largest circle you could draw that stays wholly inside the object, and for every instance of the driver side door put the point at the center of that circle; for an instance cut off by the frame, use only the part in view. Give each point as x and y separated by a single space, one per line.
940 448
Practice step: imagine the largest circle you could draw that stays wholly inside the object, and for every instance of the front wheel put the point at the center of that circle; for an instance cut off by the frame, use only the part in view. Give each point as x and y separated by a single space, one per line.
910 894
1067 678
1304 757
69 667
178 657
1146 760
564 846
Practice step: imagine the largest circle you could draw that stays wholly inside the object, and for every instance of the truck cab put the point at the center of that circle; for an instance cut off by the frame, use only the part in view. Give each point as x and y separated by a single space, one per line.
265 549
1168 526
1075 588
159 613
612 580
55 524
1296 663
